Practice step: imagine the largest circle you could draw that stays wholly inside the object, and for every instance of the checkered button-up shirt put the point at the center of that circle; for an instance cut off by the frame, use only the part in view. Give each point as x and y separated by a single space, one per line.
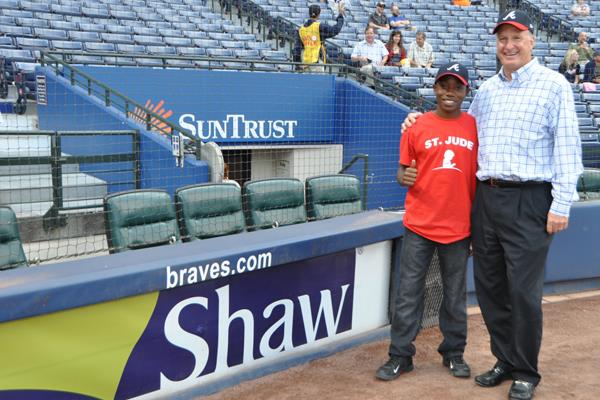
528 131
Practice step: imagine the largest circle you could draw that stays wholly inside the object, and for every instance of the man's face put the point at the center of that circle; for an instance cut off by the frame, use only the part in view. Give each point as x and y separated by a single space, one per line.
420 39
514 48
597 60
369 35
380 9
395 10
582 38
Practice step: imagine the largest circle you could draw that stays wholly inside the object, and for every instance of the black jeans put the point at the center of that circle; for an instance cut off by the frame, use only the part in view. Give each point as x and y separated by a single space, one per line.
510 245
415 258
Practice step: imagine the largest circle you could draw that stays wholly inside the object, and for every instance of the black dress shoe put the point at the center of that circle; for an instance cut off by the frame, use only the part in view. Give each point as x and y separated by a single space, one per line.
493 377
521 390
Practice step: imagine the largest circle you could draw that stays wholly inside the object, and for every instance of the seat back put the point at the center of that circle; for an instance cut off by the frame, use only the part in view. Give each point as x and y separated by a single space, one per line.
11 249
332 195
209 210
140 218
588 184
274 202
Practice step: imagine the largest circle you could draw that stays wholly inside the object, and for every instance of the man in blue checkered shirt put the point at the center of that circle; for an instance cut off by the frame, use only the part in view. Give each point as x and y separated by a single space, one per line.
529 161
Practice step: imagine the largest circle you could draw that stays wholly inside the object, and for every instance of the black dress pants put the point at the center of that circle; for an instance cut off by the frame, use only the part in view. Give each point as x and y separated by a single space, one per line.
510 245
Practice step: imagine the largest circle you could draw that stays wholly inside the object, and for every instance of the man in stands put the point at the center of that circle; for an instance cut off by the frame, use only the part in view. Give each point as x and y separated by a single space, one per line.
369 52
591 72
580 9
378 20
398 21
420 53
443 144
312 34
583 48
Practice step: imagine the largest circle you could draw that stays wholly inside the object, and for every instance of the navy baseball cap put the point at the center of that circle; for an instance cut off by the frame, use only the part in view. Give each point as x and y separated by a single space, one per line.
455 69
516 18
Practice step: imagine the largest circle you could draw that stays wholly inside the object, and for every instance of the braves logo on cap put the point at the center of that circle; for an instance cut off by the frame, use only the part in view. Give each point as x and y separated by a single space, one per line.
453 67
510 15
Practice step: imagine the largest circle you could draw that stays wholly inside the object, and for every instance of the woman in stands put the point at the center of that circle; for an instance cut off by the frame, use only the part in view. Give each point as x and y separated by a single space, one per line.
570 66
396 50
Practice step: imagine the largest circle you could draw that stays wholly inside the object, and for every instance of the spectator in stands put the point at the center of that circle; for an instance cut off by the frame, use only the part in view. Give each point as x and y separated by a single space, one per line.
438 216
462 3
420 53
583 48
570 67
398 21
378 20
369 52
312 34
591 72
396 51
529 164
580 9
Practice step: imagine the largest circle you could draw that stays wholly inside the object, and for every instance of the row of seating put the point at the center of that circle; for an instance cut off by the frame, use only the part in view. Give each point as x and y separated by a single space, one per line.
145 218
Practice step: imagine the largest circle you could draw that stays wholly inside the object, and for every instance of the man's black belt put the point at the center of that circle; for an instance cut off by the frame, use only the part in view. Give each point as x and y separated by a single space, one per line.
500 183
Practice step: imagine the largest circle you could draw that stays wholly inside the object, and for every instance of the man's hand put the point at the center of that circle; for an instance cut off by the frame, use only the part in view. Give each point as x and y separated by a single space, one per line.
410 174
556 223
410 120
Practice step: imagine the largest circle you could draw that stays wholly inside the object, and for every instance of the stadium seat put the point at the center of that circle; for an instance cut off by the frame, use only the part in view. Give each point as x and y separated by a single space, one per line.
273 202
209 210
138 219
332 195
11 249
588 184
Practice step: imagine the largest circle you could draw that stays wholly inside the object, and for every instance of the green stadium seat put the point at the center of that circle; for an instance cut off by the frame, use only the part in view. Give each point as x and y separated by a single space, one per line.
274 202
209 210
332 195
11 249
138 219
588 184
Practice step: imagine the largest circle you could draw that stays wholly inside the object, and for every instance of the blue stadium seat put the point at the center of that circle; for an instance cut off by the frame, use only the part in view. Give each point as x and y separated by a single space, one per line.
117 38
123 14
66 10
274 55
11 30
31 43
258 46
161 50
100 47
148 40
232 44
32 6
196 34
192 51
85 36
65 25
219 52
178 41
184 26
6 42
180 63
7 20
17 13
149 62
130 48
206 43
17 55
219 36
115 28
83 59
247 54
32 22
411 83
95 12
146 31
66 45
92 27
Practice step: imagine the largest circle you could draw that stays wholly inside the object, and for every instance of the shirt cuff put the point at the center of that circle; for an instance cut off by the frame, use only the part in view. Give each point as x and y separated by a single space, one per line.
560 208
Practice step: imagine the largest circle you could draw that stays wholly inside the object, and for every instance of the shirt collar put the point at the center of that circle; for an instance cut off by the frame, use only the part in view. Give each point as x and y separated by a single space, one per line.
523 74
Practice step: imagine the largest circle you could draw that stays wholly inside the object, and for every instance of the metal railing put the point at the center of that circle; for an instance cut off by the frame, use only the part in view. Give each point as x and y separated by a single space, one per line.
57 160
111 97
349 164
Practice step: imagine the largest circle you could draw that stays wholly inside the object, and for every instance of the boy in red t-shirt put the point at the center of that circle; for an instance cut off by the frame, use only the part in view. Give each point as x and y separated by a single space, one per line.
443 145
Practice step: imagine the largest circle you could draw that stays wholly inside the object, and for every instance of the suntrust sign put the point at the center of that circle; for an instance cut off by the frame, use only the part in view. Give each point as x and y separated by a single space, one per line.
206 328
237 126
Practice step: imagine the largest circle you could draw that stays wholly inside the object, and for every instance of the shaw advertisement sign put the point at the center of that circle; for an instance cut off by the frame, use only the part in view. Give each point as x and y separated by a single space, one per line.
234 314
231 106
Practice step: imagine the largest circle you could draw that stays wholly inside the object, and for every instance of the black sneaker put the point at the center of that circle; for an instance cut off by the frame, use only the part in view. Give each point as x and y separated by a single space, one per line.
458 366
394 367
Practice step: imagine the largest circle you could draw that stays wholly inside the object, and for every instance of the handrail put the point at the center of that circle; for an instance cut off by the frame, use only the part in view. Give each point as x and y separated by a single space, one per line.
391 90
56 160
152 119
353 160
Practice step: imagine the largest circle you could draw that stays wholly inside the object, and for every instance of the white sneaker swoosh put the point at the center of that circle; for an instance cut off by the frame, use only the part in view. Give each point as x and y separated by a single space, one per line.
396 369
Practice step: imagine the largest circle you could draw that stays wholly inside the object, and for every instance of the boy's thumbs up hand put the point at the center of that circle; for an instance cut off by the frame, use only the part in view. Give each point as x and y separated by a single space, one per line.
410 174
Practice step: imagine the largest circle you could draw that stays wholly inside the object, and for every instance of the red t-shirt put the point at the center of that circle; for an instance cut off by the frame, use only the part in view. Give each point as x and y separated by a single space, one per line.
438 205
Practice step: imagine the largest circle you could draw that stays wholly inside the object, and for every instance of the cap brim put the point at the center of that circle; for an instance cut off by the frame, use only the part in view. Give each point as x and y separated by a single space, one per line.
517 25
460 78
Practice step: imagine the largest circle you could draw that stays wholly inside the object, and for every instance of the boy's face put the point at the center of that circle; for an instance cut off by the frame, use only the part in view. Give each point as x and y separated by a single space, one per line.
450 93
